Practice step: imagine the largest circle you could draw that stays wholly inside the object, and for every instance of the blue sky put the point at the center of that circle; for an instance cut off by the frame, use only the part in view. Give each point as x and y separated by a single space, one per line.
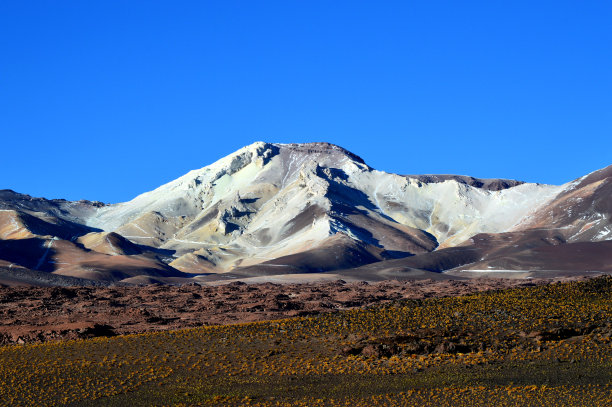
106 100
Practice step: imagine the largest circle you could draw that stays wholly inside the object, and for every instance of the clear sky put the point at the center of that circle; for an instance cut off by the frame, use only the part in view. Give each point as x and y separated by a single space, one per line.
104 100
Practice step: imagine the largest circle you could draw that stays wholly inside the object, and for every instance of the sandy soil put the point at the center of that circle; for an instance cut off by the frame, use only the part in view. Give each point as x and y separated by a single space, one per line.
38 314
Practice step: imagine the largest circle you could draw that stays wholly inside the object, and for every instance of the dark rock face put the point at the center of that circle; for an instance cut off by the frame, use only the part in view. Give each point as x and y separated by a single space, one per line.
323 148
489 184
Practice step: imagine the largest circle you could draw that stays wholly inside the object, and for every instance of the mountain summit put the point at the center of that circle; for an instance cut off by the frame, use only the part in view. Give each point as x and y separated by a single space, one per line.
290 208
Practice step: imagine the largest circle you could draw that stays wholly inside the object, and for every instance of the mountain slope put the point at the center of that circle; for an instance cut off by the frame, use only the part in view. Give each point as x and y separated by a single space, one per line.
271 200
582 210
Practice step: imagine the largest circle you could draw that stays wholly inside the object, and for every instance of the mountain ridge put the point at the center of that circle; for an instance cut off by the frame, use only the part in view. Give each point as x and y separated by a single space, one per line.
270 201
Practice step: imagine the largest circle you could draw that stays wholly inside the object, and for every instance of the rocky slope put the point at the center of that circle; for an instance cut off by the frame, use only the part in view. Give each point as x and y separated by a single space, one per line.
49 313
271 209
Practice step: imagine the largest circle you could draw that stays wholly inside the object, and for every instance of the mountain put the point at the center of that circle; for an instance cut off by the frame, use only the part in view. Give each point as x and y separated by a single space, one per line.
582 210
273 209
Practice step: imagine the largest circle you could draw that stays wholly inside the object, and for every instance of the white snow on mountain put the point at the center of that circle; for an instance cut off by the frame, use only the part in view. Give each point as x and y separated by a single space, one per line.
269 200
